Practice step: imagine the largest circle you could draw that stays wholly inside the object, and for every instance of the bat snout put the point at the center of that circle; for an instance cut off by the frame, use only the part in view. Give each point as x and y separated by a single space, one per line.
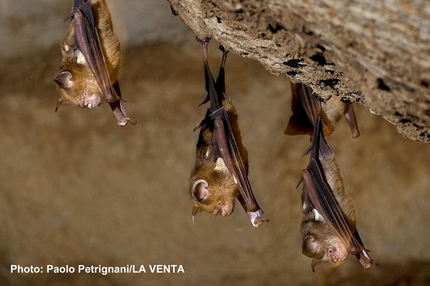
92 101
223 209
337 254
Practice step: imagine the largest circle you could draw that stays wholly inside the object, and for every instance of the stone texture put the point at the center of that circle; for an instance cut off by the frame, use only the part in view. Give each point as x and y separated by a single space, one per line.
373 53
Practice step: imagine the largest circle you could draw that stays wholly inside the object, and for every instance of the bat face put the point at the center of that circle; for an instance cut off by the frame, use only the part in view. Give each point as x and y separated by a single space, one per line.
320 242
215 192
78 87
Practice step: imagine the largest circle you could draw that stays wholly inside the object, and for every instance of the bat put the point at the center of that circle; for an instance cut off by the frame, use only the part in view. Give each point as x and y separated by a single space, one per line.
91 58
328 225
220 174
332 111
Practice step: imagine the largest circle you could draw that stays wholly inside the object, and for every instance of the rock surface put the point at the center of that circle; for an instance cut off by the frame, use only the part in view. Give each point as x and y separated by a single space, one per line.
373 53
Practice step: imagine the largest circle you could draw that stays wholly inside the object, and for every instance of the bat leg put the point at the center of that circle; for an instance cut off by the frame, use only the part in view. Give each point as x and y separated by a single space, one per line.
205 43
352 121
299 122
220 81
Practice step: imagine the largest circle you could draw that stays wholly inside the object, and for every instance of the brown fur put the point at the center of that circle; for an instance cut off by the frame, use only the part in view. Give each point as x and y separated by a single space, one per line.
327 246
329 220
75 81
331 112
222 190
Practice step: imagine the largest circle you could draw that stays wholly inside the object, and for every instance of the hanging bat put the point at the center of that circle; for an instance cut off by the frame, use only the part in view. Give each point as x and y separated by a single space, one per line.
332 111
220 174
91 59
329 220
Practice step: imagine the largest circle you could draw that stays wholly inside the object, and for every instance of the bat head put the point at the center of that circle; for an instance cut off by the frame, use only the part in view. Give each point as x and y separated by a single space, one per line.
213 196
75 82
323 245
78 88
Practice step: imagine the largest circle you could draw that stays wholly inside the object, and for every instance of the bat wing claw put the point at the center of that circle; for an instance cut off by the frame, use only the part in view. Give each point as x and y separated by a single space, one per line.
257 218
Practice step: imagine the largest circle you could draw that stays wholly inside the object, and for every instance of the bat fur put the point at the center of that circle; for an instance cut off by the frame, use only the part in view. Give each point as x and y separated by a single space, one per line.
329 219
221 168
332 111
88 73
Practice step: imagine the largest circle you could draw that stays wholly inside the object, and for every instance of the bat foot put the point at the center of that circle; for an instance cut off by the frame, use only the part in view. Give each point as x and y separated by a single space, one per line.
204 40
222 49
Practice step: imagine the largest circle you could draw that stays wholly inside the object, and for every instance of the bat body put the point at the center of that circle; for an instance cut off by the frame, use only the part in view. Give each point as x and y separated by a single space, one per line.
88 73
332 111
329 219
220 174
212 187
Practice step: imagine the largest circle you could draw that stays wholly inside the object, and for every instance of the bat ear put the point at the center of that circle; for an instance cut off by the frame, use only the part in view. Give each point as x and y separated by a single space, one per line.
200 190
310 247
64 80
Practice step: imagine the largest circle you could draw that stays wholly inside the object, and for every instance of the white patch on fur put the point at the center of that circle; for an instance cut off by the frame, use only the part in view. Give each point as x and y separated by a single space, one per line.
220 165
80 58
234 179
305 206
66 48
317 215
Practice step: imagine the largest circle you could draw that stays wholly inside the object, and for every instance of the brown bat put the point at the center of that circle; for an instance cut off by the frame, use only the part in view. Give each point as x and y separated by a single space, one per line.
91 59
220 174
329 220
332 111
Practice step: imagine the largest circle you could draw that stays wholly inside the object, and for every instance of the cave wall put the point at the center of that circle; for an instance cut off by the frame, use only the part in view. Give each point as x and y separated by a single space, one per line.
373 53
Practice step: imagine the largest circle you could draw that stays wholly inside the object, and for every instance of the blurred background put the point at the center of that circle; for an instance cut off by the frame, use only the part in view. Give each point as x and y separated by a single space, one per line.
77 189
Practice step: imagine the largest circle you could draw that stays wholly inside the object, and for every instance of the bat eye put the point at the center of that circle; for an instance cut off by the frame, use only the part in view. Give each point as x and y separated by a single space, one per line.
330 250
